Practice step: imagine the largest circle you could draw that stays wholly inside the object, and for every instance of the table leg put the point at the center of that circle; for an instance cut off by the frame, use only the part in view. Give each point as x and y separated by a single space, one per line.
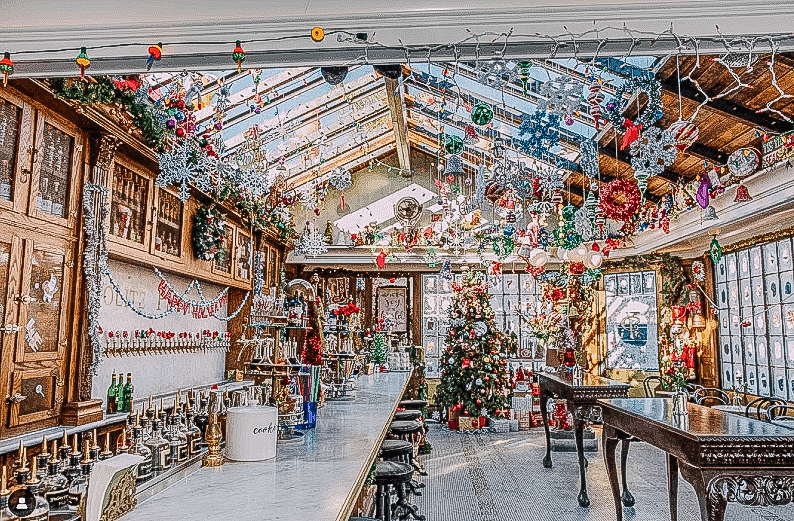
627 498
672 485
610 443
578 426
544 398
711 500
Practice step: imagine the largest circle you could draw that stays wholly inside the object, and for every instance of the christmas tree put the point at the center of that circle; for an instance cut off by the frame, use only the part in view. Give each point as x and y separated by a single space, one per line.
474 379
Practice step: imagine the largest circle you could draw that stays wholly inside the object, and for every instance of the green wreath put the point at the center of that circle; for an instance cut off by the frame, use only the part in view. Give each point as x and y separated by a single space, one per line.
653 109
209 233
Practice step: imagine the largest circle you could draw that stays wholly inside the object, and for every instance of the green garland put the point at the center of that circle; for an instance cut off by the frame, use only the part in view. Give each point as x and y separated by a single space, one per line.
105 92
209 229
253 211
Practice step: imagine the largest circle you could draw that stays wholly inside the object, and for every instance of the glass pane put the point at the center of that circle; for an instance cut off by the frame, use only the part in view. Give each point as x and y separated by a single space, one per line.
56 160
10 117
169 224
632 328
5 256
244 251
44 322
128 210
222 261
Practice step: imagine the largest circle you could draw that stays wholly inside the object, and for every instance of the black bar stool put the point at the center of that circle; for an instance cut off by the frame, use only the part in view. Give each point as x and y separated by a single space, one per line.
403 451
410 431
394 474
408 415
417 405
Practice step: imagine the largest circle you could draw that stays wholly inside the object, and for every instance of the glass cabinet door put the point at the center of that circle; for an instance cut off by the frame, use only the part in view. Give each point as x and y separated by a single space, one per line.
16 152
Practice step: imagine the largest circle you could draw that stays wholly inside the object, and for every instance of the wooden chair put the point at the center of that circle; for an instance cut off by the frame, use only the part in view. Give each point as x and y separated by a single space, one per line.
754 408
650 384
781 414
711 396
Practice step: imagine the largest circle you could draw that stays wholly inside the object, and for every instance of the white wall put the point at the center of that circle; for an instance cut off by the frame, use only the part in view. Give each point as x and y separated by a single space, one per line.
155 374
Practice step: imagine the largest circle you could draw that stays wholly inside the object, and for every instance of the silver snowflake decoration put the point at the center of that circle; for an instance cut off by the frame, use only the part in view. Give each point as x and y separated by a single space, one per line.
583 224
652 152
177 169
222 98
550 180
251 181
308 199
588 158
498 73
560 96
311 243
341 179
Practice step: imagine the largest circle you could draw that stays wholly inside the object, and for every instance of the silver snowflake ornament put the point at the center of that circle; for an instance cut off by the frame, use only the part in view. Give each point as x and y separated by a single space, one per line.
341 179
560 96
583 224
550 180
588 158
498 73
653 151
177 169
311 243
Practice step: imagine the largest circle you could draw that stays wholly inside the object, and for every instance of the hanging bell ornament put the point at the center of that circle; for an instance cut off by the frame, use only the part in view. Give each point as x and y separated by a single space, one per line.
6 67
454 165
82 61
238 55
710 214
742 195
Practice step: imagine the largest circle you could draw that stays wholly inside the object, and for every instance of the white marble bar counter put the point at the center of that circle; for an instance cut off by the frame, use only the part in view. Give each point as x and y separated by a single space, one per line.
317 480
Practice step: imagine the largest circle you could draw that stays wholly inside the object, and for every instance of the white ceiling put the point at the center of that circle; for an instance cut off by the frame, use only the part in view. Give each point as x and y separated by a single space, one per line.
197 34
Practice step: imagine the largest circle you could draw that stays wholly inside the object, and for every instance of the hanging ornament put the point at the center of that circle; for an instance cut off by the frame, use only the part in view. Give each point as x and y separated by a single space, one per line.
594 99
524 68
380 260
702 194
481 114
653 151
541 131
560 96
341 179
238 55
588 158
743 162
470 136
6 67
632 133
446 271
620 200
627 93
454 145
311 243
684 133
742 195
82 61
155 54
710 214
715 250
699 271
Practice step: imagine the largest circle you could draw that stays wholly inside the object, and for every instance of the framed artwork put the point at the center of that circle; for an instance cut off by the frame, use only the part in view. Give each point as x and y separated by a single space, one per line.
393 302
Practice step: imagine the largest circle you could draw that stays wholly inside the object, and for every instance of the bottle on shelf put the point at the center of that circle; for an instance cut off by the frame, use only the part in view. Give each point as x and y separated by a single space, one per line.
73 469
112 405
5 513
159 448
131 416
127 392
150 411
64 453
193 433
139 449
43 458
95 448
120 393
181 438
78 487
106 452
54 485
18 463
121 443
41 510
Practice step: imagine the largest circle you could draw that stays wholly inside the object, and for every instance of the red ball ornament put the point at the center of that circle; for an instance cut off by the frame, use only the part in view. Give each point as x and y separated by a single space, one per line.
479 402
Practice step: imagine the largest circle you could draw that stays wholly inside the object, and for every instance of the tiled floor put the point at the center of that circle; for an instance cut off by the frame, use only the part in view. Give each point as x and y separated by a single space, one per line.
499 477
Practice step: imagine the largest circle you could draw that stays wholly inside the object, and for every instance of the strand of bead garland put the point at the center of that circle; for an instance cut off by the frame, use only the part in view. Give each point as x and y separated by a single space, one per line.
197 285
94 260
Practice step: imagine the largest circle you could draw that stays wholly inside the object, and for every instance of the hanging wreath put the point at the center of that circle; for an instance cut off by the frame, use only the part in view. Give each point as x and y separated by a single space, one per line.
624 93
209 229
620 199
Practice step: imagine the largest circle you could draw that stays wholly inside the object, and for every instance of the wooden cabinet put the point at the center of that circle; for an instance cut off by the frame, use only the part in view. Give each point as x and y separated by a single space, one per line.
129 207
35 280
168 229
244 256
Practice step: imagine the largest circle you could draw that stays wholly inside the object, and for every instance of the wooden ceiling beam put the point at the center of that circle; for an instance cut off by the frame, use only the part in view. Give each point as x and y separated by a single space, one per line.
725 108
396 101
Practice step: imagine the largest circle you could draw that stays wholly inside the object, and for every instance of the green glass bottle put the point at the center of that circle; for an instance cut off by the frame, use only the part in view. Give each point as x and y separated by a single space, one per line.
120 393
112 404
127 393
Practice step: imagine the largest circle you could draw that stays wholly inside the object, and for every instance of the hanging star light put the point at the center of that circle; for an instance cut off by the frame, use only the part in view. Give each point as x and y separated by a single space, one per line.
311 242
560 96
541 131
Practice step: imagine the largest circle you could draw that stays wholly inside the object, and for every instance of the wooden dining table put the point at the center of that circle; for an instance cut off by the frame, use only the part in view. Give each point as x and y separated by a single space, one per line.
726 457
580 396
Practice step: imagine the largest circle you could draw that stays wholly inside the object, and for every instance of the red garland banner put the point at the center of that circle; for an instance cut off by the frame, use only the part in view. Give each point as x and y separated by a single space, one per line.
198 309
627 209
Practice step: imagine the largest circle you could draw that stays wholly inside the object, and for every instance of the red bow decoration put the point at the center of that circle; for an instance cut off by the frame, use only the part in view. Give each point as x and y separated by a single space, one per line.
130 82
632 133
496 268
380 260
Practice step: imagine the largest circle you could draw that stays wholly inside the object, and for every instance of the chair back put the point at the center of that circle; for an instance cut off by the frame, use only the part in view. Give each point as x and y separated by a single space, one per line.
709 396
781 413
650 384
758 408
